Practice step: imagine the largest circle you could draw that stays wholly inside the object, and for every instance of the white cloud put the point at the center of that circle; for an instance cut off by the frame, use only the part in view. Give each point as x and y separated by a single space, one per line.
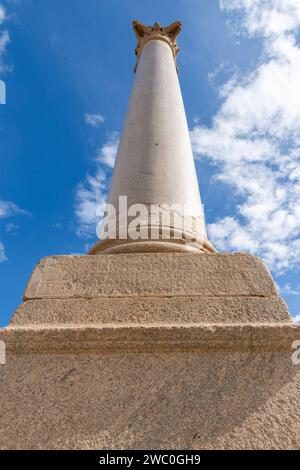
289 290
297 318
266 17
230 235
9 209
89 195
108 152
94 119
2 14
4 40
254 140
11 227
2 253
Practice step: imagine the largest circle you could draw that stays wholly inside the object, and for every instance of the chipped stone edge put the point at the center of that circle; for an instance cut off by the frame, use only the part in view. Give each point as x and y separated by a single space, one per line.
95 338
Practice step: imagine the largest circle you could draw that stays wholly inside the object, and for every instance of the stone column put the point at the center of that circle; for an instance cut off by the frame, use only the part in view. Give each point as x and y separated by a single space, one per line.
151 350
154 164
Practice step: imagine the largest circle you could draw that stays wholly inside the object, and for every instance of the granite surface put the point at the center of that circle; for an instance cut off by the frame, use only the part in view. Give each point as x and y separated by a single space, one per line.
149 274
151 351
186 400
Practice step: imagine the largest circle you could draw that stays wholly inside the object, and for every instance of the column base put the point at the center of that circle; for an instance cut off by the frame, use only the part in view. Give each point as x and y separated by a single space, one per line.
148 246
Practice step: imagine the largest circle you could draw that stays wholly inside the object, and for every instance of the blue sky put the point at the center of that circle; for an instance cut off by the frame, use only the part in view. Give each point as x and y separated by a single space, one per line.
68 69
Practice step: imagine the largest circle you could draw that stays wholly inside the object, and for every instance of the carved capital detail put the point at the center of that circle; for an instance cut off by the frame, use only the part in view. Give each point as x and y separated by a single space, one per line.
145 34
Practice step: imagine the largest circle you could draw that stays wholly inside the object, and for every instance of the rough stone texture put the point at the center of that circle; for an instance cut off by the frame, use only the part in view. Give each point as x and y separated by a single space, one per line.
150 274
184 400
140 338
149 310
150 351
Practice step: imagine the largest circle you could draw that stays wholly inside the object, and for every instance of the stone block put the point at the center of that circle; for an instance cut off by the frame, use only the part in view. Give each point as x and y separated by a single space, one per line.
150 351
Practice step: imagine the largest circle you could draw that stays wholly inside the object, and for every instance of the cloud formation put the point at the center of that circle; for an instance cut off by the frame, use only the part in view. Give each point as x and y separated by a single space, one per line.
2 14
2 253
9 209
107 153
94 120
254 140
91 194
4 38
297 318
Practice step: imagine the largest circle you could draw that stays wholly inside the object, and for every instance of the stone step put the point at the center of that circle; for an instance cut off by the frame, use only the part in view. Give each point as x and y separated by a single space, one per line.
151 310
150 338
151 274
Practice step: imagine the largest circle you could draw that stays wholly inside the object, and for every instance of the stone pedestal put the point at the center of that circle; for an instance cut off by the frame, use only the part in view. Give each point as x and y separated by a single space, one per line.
146 351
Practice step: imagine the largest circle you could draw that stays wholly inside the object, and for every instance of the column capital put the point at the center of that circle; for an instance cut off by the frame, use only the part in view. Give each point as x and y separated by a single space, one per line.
145 34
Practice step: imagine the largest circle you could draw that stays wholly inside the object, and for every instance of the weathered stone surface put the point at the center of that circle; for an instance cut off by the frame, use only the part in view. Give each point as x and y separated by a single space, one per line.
151 338
150 351
151 274
184 400
151 310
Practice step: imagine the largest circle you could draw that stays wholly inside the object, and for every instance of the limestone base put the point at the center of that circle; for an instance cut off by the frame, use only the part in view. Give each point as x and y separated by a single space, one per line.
150 351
